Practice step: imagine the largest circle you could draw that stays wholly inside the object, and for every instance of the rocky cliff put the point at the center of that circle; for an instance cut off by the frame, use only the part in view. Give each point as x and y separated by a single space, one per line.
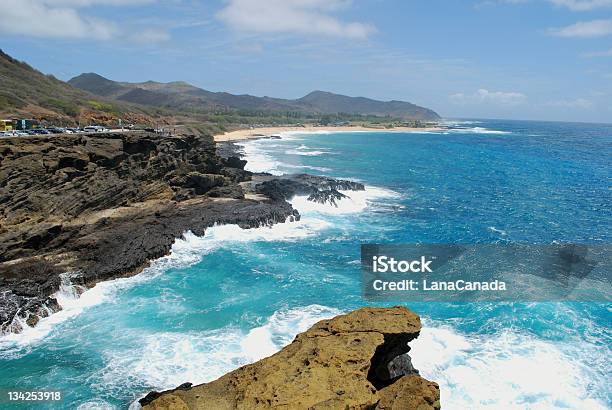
95 207
355 361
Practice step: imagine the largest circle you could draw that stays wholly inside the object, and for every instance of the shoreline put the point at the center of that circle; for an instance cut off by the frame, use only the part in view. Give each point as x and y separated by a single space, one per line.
255 133
121 240
120 236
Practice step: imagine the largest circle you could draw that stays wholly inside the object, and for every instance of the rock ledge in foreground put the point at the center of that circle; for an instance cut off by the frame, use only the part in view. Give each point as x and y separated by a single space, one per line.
353 361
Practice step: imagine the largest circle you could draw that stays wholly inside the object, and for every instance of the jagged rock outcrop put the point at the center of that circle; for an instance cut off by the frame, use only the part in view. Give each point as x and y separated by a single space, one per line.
336 364
64 176
319 189
102 206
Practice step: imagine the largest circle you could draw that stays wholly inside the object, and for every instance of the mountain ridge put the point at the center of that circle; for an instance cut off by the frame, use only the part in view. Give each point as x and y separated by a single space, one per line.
27 92
187 96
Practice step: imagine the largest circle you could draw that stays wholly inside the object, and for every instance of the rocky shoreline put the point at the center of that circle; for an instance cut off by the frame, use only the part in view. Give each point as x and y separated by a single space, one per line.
98 207
355 361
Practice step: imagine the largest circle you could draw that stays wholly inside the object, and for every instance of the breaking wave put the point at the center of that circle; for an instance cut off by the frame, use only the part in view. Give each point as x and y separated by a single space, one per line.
355 201
168 359
506 370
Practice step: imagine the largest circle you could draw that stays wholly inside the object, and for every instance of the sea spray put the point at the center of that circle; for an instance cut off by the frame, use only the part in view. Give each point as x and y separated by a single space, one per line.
354 201
506 369
455 188
167 359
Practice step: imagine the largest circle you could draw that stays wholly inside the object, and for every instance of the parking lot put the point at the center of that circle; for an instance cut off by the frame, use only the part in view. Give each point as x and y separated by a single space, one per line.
61 130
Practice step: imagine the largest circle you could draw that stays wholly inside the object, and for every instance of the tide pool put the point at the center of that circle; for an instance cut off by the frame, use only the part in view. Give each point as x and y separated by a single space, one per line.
235 296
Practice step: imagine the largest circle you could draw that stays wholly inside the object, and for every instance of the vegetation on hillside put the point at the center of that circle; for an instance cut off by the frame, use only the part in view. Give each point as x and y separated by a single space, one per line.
28 93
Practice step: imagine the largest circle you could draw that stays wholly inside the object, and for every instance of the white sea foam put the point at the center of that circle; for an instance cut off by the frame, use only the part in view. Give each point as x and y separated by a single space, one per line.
477 130
191 248
258 160
72 305
482 130
506 370
185 251
313 153
498 231
459 122
96 405
356 201
321 169
165 360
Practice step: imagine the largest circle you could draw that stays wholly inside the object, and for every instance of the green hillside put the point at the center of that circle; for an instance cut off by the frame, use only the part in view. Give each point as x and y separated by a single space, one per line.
26 92
183 96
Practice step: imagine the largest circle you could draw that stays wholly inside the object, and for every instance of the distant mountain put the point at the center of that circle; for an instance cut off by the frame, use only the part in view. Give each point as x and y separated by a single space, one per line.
27 92
327 102
183 96
91 98
96 84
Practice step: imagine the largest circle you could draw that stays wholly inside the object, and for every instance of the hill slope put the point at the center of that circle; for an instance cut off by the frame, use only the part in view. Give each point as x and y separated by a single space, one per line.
184 96
26 92
327 102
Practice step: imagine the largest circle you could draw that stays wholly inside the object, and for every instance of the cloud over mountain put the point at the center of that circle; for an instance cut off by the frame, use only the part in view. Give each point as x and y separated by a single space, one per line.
302 17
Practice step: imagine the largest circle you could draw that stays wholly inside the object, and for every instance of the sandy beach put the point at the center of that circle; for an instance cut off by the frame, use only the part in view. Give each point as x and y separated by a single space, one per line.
245 134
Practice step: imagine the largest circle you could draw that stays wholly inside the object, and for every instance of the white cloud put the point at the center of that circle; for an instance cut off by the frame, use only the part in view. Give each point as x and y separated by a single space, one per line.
484 96
62 19
304 17
585 29
582 5
605 53
580 103
37 19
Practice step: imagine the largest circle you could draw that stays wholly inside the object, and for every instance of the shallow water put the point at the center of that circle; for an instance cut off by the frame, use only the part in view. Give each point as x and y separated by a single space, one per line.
234 296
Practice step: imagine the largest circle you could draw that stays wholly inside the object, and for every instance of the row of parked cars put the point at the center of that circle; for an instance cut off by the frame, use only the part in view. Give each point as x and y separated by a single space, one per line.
53 130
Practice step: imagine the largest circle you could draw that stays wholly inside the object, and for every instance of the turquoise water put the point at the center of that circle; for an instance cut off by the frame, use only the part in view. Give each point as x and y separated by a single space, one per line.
234 296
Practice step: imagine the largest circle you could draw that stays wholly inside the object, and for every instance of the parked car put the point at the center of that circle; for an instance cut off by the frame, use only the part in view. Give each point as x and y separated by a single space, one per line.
94 128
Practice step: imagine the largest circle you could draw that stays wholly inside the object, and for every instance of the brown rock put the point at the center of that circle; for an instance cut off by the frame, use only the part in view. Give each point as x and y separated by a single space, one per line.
326 367
170 402
408 393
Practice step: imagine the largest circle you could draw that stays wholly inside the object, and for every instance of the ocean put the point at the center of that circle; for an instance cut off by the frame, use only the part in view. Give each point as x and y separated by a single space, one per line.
234 296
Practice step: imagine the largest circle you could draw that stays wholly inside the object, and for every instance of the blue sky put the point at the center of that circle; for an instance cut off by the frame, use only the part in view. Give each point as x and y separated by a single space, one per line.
523 59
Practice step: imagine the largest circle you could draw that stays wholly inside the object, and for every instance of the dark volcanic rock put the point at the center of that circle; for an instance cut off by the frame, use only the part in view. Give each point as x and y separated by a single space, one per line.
103 206
99 207
202 183
64 176
113 247
228 149
319 189
327 196
233 191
